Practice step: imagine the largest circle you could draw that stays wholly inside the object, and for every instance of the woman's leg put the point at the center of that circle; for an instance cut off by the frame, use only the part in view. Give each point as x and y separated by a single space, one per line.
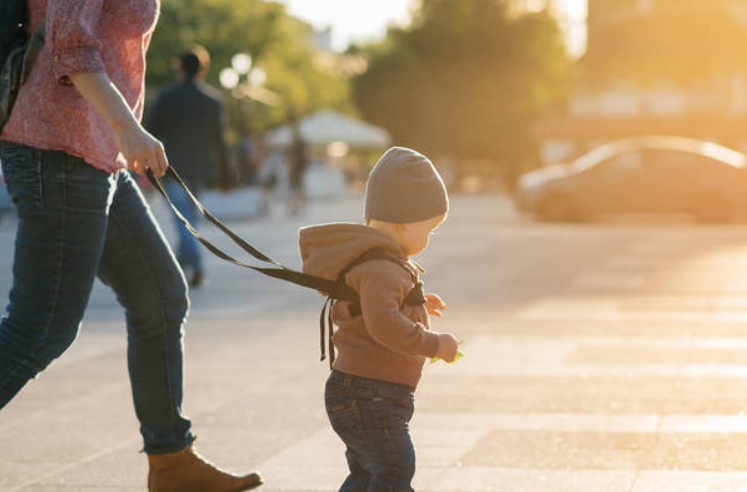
141 269
146 277
62 206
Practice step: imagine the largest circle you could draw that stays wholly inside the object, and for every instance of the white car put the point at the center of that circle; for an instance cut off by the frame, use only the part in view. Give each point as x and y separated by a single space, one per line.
641 175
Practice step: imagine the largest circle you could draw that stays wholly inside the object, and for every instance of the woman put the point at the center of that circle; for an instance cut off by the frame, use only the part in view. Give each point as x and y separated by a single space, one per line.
67 153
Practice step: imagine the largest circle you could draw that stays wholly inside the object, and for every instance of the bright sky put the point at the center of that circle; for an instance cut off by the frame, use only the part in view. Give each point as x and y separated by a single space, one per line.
364 20
351 20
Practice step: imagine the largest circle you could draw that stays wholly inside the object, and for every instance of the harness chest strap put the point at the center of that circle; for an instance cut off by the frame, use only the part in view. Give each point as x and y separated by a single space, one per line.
415 297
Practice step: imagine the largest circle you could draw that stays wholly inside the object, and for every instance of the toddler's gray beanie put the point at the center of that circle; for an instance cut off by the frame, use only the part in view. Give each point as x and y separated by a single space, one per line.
405 187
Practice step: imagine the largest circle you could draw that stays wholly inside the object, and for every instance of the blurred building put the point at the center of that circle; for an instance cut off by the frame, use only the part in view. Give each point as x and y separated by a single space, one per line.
656 67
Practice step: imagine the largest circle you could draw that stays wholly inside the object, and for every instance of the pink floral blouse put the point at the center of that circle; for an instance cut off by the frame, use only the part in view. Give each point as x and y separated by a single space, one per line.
82 36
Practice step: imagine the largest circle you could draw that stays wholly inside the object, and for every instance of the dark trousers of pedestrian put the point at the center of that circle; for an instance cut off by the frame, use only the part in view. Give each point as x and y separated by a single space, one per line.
74 223
188 251
372 419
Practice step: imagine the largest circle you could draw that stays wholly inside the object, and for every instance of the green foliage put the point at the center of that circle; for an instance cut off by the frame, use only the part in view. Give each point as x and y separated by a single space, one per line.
276 41
467 80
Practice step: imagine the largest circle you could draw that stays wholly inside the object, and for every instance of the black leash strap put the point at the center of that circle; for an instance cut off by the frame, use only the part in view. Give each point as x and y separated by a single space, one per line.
278 270
335 290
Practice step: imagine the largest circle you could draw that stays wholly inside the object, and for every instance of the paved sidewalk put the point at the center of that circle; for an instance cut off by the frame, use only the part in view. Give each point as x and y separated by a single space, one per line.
601 358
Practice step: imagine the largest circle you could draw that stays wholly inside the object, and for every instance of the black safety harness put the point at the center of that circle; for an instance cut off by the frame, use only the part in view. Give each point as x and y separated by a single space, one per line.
415 297
335 291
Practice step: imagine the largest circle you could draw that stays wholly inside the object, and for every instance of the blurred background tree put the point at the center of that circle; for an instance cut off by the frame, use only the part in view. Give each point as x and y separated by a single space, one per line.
466 81
277 42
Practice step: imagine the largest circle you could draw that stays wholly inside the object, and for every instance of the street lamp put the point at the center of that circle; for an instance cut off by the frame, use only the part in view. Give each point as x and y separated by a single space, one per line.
246 81
242 63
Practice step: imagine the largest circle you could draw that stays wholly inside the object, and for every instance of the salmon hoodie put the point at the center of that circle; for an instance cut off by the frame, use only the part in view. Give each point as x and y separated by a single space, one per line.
387 341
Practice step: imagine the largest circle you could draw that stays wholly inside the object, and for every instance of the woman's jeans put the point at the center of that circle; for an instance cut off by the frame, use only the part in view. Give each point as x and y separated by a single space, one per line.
372 419
188 251
76 222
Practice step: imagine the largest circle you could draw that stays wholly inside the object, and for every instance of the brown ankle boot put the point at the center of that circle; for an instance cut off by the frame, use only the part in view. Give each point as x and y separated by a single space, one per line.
187 471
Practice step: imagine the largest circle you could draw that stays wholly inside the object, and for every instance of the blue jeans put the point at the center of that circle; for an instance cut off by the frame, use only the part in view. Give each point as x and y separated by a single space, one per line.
372 419
76 222
188 251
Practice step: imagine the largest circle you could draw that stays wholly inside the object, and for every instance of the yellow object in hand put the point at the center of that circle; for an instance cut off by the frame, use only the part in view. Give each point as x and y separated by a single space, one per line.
459 355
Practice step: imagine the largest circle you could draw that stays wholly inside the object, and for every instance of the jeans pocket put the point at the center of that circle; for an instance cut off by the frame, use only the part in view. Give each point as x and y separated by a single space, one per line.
345 417
343 412
22 172
87 189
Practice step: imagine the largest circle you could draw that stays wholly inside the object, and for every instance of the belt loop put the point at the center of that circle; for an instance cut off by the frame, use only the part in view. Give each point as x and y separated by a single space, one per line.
68 162
347 380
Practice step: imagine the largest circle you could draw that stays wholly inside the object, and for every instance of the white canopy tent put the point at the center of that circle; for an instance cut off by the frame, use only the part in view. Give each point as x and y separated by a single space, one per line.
326 127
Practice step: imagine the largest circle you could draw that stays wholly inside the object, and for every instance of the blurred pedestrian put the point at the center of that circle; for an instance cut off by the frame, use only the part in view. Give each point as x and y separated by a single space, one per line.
298 161
188 118
67 153
247 158
382 342
273 177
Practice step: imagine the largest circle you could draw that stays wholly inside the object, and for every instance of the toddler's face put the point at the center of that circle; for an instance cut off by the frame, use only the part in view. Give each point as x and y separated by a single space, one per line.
414 237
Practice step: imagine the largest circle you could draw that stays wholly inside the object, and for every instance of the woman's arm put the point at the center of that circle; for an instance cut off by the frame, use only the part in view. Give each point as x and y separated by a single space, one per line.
139 148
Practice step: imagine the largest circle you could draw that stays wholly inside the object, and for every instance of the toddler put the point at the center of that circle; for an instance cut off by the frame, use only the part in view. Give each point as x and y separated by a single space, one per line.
382 342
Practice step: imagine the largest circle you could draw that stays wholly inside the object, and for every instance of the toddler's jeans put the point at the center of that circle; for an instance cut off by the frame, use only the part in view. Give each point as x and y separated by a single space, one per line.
372 419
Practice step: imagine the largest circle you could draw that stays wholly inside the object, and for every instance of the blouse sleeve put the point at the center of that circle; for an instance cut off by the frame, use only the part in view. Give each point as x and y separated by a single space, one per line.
71 26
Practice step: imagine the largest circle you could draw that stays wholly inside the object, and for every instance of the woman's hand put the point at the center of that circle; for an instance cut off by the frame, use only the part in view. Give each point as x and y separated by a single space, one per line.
141 151
434 304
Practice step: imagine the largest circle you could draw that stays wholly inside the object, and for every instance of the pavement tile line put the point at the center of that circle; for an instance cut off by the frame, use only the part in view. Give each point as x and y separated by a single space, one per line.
70 466
686 481
657 429
26 416
497 355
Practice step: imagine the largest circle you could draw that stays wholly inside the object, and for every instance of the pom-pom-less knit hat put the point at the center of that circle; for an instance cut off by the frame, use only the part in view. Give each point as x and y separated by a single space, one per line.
405 187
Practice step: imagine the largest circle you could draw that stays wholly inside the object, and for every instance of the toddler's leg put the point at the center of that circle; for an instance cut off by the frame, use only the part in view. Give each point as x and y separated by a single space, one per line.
344 415
389 456
372 418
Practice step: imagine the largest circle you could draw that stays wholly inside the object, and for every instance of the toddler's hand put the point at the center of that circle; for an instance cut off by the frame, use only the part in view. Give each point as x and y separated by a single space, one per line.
434 304
448 347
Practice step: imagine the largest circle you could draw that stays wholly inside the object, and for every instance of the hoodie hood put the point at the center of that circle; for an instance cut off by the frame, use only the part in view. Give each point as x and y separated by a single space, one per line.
327 249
